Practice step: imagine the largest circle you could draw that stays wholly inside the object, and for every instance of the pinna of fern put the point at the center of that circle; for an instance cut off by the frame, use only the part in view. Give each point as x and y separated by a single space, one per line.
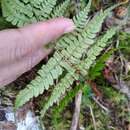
22 12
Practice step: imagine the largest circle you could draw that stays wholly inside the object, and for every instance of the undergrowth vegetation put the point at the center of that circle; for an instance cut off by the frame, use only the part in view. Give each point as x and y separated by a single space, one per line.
78 61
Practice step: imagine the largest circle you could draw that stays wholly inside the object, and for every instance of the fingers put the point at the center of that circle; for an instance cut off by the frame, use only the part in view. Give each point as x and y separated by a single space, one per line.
13 71
19 43
44 32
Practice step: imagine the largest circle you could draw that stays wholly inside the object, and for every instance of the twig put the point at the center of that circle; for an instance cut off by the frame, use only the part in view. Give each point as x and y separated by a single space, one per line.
76 114
103 107
94 122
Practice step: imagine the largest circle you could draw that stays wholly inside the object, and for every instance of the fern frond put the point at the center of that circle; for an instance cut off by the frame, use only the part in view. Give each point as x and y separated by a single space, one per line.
60 89
62 61
17 13
45 9
60 10
47 74
84 66
88 33
95 50
96 70
76 45
92 53
52 70
80 19
22 12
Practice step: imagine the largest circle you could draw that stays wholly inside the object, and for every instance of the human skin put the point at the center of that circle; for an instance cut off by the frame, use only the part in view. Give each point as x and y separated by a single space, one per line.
21 49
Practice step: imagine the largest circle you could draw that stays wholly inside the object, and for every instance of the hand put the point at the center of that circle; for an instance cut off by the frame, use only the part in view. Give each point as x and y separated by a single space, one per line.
21 49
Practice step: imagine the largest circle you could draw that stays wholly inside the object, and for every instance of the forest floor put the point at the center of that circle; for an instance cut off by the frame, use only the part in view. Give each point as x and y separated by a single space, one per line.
105 105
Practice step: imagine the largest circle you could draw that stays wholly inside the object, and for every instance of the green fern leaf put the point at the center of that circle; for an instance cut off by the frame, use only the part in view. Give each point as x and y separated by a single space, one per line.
47 74
60 89
80 19
17 13
60 10
62 61
22 12
84 66
52 70
95 50
96 70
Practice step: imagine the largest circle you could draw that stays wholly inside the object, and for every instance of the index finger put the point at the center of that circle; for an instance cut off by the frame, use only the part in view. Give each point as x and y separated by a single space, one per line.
21 42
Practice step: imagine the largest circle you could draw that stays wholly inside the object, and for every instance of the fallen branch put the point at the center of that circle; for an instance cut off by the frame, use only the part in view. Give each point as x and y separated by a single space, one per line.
94 122
76 114
103 107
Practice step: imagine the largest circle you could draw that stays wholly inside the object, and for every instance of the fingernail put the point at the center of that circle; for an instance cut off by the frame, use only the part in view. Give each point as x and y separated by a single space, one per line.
70 28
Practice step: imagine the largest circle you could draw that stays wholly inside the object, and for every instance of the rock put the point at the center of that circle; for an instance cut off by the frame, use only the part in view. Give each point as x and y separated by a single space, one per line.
7 126
23 119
